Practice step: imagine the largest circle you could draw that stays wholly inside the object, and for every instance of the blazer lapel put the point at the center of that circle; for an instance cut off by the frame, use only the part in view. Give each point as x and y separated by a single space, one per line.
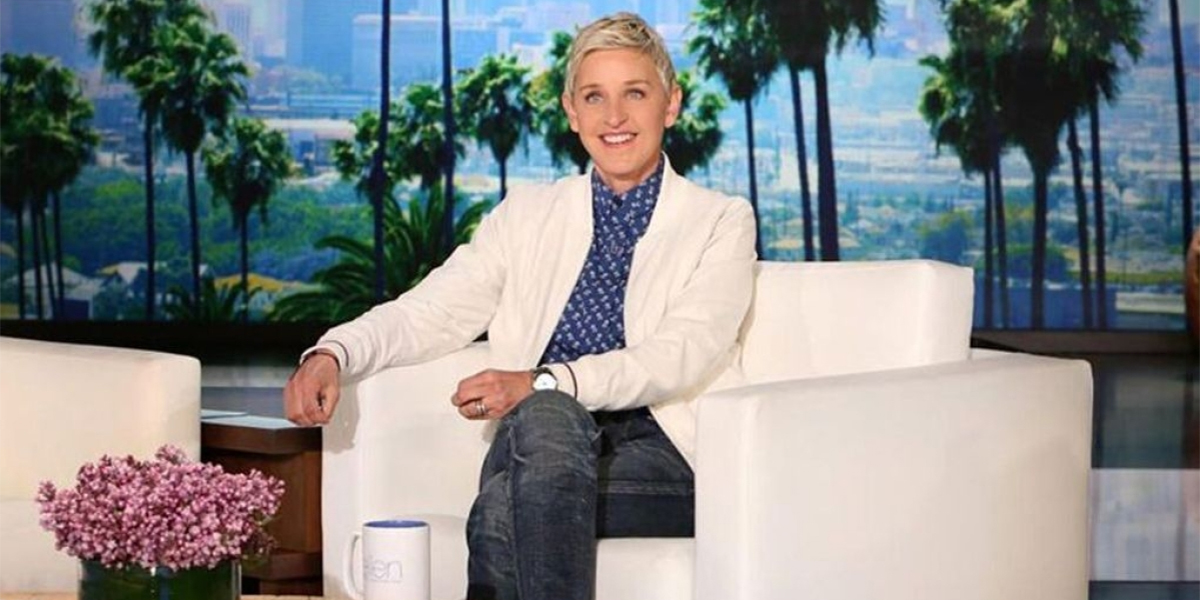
575 230
651 257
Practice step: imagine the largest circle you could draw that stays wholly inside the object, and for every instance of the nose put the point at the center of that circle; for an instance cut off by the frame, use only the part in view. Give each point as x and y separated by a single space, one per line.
615 113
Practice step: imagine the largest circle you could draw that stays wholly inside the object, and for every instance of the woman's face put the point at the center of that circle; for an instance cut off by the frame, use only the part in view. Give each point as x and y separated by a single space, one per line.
620 111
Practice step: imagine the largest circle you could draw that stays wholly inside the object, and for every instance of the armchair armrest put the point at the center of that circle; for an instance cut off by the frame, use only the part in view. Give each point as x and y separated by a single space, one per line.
960 480
396 446
64 405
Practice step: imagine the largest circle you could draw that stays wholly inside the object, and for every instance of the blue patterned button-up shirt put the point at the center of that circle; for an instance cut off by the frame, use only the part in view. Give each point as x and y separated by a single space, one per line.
593 322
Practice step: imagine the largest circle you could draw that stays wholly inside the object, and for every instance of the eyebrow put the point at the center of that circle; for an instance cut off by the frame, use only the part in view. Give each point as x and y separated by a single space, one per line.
627 83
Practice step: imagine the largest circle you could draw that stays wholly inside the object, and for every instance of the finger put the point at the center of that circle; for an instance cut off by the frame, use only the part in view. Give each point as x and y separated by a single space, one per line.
470 389
468 410
294 406
329 401
312 411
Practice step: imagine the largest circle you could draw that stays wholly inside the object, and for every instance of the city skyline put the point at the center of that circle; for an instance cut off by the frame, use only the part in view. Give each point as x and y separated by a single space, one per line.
884 152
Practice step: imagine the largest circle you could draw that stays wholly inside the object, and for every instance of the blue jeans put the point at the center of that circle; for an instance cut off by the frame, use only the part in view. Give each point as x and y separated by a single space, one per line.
557 478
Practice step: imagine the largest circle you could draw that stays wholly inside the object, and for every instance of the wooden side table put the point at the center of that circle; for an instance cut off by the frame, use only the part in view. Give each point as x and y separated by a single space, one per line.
293 454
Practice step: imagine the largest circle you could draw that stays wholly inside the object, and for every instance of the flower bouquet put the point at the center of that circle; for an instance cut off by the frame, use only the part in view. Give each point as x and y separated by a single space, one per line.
166 528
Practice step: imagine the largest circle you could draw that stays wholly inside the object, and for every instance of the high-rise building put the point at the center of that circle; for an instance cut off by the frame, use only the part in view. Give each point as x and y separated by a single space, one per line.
44 27
233 18
268 28
416 46
320 34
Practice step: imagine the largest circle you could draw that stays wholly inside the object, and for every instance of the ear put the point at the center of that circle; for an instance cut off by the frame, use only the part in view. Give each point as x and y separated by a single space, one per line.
674 102
572 116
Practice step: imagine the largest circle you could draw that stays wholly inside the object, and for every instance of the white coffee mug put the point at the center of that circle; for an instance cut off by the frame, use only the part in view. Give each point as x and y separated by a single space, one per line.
395 561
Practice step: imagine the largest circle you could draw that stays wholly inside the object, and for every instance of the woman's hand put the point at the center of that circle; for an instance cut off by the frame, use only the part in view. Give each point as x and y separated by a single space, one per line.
312 392
491 394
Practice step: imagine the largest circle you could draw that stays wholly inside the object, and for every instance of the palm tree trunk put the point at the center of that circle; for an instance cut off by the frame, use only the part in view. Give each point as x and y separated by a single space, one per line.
827 217
378 176
1001 235
37 261
748 106
21 301
1181 115
244 244
802 165
51 288
194 218
60 306
503 179
1037 277
995 144
449 126
989 271
1098 210
1081 224
148 165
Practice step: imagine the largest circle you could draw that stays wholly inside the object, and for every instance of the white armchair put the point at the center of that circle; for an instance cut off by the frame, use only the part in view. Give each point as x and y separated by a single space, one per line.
62 405
867 452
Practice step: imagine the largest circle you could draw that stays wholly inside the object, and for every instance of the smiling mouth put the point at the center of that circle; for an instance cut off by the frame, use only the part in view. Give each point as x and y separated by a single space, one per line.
617 139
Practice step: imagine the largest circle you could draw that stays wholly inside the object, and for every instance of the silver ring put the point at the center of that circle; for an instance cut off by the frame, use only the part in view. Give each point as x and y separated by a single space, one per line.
480 409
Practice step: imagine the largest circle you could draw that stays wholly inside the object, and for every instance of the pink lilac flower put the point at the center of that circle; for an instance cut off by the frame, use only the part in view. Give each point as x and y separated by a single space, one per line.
168 512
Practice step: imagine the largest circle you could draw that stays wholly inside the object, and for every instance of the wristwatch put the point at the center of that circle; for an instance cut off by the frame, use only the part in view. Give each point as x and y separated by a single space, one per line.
544 380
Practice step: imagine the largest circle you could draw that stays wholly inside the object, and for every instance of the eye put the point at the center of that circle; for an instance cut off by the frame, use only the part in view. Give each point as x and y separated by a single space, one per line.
636 94
592 98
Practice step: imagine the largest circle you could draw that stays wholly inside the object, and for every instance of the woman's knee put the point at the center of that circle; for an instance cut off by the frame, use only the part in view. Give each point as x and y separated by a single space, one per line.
551 422
552 409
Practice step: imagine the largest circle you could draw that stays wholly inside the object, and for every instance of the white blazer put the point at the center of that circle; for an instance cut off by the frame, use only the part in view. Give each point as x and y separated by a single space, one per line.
689 288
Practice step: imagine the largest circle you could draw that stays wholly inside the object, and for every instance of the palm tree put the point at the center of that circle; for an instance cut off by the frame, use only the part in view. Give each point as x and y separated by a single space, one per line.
124 35
450 148
797 41
1060 59
494 101
734 45
959 102
1081 224
47 138
955 114
354 158
245 167
415 138
16 110
807 32
378 189
549 118
1099 30
1037 97
419 136
696 135
14 194
211 304
197 78
414 248
1185 160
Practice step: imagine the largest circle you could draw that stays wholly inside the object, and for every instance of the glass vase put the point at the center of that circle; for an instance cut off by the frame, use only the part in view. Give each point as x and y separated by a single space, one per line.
98 582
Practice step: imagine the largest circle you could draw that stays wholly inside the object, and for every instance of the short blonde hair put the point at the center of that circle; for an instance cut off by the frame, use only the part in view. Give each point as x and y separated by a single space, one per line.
620 30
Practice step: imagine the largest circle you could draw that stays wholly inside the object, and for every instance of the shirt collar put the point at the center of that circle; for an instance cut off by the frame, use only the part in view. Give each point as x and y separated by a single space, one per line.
648 188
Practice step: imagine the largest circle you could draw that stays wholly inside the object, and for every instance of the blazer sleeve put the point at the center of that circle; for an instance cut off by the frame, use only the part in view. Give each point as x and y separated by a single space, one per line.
696 335
449 309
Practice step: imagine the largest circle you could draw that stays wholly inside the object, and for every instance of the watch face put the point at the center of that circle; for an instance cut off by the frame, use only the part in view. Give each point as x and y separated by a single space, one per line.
545 380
